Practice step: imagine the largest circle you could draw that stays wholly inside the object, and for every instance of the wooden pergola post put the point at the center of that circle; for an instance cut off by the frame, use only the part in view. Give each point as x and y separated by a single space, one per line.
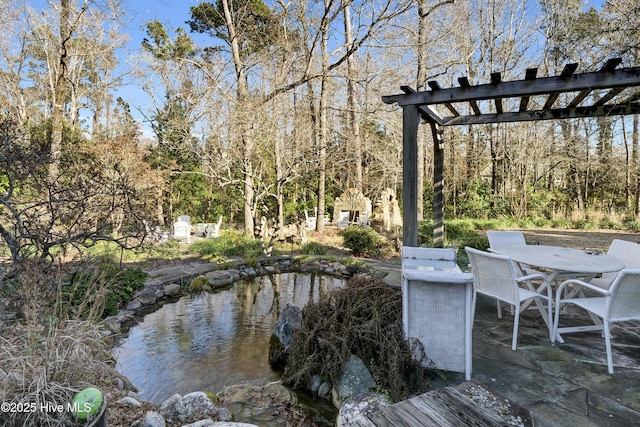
410 122
438 184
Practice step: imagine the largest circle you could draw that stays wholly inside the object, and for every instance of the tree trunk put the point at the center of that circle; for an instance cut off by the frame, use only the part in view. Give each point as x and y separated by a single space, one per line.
635 137
323 124
247 142
60 91
352 104
421 78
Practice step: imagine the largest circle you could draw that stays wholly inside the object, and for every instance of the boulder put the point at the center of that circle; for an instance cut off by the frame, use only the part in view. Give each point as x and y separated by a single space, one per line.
172 289
147 297
186 408
112 323
356 408
228 424
133 305
289 320
355 379
202 423
220 278
130 401
151 419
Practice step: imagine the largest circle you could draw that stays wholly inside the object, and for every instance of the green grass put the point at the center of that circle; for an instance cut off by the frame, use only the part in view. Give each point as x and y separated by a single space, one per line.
230 243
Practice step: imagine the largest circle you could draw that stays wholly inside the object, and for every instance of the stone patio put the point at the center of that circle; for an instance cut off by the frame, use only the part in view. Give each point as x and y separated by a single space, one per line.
562 385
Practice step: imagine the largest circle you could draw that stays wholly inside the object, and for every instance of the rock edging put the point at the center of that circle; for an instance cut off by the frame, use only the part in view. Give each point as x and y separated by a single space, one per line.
171 283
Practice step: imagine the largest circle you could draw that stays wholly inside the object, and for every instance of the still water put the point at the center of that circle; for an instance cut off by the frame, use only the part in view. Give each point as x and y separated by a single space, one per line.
209 341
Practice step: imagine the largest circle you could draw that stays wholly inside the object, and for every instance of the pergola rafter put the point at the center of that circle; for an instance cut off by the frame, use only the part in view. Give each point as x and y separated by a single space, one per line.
611 90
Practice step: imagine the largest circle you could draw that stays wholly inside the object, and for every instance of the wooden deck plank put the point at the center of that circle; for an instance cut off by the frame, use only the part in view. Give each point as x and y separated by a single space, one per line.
386 417
414 417
441 408
467 412
444 416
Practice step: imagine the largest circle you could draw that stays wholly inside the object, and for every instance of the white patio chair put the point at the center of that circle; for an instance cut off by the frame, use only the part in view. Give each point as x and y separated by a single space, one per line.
182 231
436 306
213 230
343 219
619 303
625 251
496 276
502 239
498 240
363 220
311 220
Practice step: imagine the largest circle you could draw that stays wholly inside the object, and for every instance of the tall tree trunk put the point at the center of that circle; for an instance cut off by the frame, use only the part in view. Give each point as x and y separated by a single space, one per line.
574 170
247 142
628 166
421 78
424 12
60 91
635 140
323 124
352 104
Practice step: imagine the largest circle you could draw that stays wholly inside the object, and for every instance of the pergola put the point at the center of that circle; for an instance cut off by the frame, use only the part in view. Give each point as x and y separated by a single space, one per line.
611 96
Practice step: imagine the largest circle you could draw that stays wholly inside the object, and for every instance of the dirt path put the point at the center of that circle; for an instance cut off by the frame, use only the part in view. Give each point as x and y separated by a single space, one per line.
582 239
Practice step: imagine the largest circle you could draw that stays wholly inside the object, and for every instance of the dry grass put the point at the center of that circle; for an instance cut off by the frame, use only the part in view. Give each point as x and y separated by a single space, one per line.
45 359
47 366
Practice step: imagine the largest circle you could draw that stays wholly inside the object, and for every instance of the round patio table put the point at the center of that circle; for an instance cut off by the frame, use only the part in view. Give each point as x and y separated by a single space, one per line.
558 259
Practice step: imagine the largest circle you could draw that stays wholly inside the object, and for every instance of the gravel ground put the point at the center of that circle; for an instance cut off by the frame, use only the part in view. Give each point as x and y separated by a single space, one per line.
501 406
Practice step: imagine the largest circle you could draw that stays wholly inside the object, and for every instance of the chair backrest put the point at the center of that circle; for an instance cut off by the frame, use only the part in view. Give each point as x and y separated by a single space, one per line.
624 301
184 218
625 251
181 230
343 219
434 254
494 275
502 239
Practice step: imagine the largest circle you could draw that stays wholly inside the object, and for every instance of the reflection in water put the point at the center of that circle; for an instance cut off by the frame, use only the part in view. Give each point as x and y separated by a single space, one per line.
213 340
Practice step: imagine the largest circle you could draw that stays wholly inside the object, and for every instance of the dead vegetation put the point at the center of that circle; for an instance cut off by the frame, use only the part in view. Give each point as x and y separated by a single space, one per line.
365 319
46 358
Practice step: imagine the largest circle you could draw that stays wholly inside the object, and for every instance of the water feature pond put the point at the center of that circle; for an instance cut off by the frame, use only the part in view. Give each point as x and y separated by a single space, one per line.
209 341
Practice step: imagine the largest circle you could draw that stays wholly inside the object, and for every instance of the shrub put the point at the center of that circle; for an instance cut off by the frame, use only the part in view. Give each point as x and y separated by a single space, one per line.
361 240
609 225
101 291
230 243
425 233
461 233
561 223
540 222
632 225
314 248
585 224
365 319
198 285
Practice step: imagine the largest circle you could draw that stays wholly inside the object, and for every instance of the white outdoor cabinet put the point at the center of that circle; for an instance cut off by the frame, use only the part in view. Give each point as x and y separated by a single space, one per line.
437 308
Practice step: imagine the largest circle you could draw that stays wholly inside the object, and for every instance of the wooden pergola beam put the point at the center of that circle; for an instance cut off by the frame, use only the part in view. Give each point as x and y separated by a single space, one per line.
551 114
519 88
